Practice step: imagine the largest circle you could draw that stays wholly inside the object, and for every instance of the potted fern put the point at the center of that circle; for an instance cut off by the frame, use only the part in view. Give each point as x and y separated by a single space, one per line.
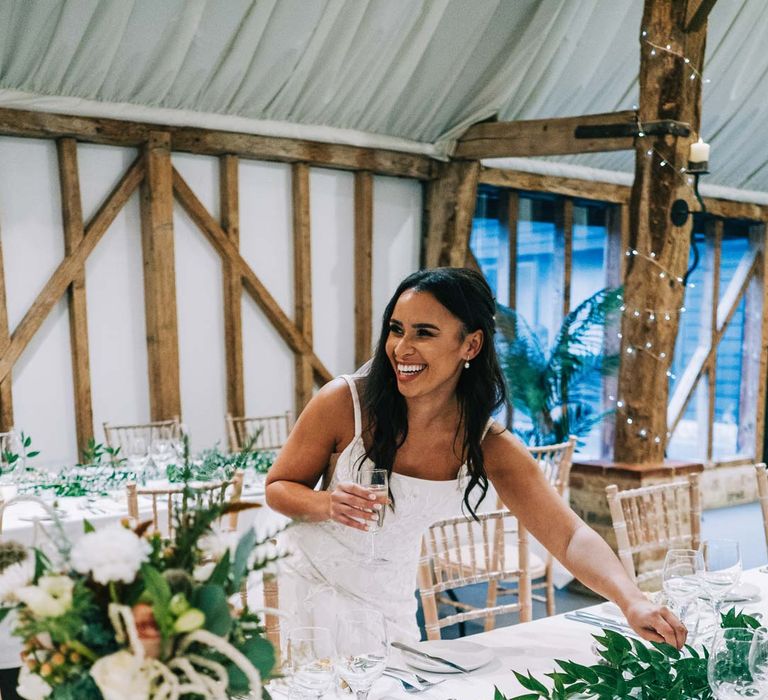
557 388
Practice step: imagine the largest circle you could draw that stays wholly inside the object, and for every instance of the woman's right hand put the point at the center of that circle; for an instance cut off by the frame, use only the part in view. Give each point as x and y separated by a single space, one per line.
353 505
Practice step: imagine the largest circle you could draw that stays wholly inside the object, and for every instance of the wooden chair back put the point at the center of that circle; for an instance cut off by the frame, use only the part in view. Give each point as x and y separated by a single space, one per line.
556 461
762 494
460 552
650 520
125 436
169 498
270 432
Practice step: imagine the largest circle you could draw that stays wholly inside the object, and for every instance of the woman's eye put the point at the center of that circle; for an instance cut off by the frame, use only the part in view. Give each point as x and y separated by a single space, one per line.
396 330
424 333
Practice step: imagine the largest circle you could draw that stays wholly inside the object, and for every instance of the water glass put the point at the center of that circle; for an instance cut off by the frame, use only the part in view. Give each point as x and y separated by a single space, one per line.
377 483
728 668
722 570
310 655
137 453
758 659
362 647
681 584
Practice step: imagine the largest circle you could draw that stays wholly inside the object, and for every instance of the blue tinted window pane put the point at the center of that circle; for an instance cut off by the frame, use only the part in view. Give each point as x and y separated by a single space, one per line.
489 240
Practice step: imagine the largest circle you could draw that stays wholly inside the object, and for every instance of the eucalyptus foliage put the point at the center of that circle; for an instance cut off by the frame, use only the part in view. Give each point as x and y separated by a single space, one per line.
555 387
629 668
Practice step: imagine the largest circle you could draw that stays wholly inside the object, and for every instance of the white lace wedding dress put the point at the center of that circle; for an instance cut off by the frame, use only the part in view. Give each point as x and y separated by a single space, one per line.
326 572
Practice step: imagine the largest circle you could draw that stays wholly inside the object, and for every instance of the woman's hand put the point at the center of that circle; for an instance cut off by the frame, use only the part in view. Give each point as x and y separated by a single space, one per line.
352 505
656 623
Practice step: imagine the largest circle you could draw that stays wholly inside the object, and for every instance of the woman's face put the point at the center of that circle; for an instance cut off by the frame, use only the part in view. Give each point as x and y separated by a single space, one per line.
426 345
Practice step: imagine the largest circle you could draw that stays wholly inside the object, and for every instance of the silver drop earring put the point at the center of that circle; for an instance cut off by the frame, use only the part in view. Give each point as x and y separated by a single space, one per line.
466 364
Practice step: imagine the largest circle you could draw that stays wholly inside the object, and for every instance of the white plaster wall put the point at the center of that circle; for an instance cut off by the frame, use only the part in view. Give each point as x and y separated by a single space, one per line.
32 241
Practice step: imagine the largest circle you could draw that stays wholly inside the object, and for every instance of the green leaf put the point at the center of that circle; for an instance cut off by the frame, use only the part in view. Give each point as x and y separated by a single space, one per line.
242 554
4 612
220 574
34 453
87 526
498 695
213 602
530 683
159 592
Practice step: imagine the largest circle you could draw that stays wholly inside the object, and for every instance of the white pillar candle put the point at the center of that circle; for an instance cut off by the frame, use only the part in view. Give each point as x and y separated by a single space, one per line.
699 152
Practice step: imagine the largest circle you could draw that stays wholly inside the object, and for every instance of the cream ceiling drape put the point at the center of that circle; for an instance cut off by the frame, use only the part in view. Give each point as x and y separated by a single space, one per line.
404 74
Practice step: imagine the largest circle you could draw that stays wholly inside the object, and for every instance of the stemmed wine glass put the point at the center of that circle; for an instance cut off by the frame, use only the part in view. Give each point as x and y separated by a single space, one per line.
722 570
311 654
362 646
728 668
681 582
377 483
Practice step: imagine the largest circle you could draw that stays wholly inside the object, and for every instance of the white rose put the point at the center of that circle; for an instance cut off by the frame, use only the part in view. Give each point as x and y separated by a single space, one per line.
120 676
111 554
42 604
203 572
214 544
31 686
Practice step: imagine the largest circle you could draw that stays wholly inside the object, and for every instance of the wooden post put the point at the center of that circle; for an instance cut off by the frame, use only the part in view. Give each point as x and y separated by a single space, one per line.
363 266
666 92
160 278
6 389
563 262
450 204
74 230
302 282
513 213
229 189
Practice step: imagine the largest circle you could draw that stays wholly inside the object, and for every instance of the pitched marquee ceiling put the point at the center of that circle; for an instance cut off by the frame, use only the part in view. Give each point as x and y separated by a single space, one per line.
410 74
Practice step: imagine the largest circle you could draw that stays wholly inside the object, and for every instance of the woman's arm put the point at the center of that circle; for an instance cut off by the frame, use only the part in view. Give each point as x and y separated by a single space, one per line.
325 426
523 488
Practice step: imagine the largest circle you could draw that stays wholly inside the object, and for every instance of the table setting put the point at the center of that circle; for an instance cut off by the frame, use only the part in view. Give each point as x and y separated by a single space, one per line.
512 662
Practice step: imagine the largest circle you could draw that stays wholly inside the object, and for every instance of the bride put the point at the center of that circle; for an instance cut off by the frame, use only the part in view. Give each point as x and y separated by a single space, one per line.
423 412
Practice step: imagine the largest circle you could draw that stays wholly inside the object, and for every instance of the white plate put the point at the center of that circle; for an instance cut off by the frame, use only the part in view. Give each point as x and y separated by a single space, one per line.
466 654
744 592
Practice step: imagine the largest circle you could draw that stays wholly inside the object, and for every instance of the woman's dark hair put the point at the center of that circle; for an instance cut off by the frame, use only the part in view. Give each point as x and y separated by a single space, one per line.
480 390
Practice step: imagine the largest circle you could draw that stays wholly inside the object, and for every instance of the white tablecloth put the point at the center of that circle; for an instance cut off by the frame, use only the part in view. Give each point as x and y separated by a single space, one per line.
529 646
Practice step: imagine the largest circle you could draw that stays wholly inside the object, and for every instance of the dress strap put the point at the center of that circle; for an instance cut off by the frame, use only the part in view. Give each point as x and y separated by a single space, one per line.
349 379
487 428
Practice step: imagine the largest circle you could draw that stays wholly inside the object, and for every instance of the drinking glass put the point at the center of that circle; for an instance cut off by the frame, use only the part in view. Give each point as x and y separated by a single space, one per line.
377 483
137 453
681 582
722 570
310 657
728 671
362 648
758 659
162 449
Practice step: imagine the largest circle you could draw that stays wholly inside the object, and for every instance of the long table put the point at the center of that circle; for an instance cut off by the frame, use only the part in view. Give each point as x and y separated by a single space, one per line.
530 646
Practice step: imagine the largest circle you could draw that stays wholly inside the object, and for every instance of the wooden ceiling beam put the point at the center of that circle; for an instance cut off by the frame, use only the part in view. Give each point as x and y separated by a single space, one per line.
545 137
116 132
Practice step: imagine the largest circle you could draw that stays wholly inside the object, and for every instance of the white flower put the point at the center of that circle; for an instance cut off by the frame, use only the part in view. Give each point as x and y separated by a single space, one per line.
13 578
111 554
50 598
120 676
31 686
214 544
203 572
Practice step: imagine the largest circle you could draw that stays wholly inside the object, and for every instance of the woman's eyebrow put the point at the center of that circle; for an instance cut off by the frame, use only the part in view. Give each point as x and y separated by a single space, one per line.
429 326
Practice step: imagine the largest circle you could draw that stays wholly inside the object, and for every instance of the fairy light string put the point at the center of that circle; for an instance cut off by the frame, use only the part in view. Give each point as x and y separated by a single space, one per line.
649 315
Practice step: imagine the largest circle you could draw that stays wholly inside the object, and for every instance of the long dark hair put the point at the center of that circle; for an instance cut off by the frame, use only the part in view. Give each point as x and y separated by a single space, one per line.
480 390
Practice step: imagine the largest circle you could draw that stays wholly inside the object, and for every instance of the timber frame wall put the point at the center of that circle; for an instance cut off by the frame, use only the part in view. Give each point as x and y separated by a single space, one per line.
749 282
159 184
445 241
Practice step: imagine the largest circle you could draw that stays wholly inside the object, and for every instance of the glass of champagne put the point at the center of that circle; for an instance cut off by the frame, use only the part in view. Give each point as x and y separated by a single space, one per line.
377 483
362 646
310 657
681 583
728 668
722 571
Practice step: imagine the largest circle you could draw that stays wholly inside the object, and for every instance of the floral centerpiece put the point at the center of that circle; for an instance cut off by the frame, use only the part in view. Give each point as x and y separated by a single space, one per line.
122 614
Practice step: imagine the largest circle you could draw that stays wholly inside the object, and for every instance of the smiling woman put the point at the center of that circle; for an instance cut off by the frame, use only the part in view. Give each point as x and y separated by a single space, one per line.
426 418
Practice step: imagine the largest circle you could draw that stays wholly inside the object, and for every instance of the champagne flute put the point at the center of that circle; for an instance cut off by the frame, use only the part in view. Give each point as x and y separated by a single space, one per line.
681 582
311 653
362 647
728 668
722 570
377 483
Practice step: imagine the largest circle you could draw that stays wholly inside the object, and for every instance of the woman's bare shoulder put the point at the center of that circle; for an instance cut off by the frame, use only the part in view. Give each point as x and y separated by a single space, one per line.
501 447
331 411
